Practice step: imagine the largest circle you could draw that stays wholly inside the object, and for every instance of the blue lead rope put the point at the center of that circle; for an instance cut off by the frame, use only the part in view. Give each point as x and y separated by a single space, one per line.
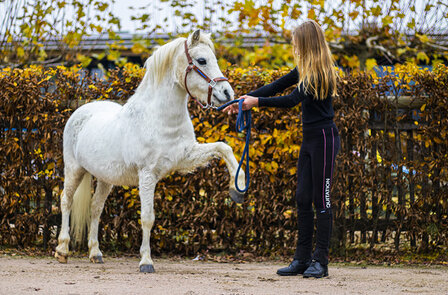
243 121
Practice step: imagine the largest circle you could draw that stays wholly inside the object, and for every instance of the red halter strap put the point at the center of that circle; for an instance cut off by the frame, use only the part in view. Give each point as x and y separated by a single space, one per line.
211 82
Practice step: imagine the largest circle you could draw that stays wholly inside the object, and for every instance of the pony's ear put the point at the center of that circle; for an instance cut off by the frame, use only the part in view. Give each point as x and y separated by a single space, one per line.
194 38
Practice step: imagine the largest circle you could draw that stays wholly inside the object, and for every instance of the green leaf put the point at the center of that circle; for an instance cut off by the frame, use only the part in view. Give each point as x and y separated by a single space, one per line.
42 54
99 56
102 6
61 4
376 11
84 60
387 20
428 7
411 24
20 52
370 63
423 57
423 38
354 14
113 55
138 48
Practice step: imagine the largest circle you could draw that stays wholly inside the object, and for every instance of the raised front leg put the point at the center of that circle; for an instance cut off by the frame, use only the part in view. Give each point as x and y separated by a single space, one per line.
201 154
147 184
102 191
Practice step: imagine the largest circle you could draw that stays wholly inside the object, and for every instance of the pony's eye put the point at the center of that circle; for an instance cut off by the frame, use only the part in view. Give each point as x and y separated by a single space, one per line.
202 61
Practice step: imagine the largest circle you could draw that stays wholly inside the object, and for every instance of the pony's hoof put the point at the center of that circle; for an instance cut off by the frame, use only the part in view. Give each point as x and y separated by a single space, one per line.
236 196
147 268
61 257
97 259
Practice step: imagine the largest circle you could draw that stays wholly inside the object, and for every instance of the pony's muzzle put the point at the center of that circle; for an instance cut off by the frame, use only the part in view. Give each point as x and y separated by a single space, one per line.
222 93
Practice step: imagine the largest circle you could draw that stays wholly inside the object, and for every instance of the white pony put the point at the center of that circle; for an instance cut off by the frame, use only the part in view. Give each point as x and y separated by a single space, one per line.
141 142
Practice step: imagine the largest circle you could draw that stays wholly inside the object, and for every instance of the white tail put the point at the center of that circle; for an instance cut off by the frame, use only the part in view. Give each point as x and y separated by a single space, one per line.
80 213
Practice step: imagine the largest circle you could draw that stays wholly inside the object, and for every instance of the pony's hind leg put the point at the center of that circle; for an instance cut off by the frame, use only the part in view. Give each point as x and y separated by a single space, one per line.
102 191
72 180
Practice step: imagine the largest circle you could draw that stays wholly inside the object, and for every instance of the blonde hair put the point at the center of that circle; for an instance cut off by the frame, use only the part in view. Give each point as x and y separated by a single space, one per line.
314 60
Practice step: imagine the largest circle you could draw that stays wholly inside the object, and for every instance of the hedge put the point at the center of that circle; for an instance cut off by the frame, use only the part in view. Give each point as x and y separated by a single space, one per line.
390 186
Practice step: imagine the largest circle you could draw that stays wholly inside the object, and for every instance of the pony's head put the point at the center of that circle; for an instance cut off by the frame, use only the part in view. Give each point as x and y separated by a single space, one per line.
195 65
169 63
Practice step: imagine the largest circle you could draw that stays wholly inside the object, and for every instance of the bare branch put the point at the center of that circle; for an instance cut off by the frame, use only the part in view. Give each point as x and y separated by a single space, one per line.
370 40
437 46
369 43
336 45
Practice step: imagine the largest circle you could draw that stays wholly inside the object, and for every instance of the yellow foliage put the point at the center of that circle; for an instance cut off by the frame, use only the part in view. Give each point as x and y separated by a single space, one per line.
370 63
182 202
422 56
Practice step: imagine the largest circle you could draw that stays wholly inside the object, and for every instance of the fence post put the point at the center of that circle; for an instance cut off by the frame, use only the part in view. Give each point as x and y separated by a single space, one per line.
375 212
47 212
410 157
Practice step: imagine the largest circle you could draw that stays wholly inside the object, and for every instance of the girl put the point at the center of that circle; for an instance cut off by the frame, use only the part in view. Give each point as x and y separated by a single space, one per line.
315 77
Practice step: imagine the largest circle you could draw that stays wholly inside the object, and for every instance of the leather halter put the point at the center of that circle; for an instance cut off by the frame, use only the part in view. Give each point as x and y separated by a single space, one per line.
211 82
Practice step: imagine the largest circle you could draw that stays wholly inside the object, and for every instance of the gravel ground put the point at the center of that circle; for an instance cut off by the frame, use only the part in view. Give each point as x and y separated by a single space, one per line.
30 275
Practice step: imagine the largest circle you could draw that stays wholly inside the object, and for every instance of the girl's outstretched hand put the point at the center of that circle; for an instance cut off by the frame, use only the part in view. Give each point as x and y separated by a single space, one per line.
248 103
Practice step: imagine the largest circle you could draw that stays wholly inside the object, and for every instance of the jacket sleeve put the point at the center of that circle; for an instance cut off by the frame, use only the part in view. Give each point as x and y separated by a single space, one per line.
286 101
278 85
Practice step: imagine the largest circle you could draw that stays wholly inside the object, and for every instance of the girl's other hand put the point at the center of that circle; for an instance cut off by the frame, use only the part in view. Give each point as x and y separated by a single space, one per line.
248 103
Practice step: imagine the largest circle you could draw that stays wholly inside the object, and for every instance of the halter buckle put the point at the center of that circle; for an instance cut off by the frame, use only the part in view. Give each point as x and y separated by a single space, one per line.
212 83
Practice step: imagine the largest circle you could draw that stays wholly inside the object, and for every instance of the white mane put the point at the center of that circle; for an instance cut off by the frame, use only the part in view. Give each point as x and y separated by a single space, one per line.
158 64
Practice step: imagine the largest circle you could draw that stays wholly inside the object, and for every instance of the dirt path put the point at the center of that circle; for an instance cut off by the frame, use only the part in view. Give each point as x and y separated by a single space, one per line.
27 275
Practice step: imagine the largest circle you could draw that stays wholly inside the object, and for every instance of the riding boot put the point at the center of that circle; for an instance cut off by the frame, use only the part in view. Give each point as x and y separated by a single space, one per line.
296 267
316 270
305 225
323 234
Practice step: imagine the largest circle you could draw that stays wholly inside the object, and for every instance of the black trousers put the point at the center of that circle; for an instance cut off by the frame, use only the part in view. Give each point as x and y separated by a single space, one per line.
314 179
